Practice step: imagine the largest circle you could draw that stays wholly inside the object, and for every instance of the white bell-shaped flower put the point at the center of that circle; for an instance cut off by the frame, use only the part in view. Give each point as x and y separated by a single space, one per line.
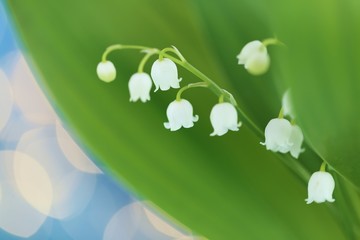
164 74
287 105
296 139
180 114
277 135
320 188
139 87
106 71
223 117
255 58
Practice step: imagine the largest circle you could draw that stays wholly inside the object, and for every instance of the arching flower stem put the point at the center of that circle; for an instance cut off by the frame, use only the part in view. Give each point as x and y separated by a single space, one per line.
221 98
191 85
281 113
121 47
145 59
272 41
323 167
173 50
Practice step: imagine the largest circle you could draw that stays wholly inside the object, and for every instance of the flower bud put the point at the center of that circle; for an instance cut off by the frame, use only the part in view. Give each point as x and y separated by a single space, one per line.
254 57
106 71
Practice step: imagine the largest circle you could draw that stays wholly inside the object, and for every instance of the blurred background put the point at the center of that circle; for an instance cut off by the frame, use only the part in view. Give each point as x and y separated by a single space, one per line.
85 142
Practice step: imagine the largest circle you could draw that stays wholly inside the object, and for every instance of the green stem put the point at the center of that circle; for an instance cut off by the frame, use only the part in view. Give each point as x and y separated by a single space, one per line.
281 113
191 85
295 166
145 59
272 41
218 91
323 167
221 98
121 47
173 50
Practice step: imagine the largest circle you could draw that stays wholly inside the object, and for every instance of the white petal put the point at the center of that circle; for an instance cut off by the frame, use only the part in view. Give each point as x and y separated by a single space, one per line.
139 87
296 138
106 71
167 125
164 74
287 104
223 117
277 135
248 50
180 114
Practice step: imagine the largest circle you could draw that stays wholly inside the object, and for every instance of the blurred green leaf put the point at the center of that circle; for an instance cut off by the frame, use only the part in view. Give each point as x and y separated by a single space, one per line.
321 66
227 187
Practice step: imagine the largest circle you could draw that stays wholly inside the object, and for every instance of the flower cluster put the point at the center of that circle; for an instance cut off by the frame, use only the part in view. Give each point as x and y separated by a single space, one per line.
164 75
281 134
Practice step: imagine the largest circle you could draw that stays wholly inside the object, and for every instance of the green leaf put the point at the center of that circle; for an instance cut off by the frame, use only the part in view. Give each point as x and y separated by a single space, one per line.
222 188
321 66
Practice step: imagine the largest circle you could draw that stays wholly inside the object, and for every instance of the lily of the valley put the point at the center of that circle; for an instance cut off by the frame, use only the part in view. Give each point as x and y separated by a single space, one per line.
223 117
106 71
180 114
139 87
282 136
320 188
255 58
164 74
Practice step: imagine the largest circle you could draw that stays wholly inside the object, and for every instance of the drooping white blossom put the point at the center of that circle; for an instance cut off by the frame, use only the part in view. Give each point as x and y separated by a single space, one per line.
139 87
164 74
320 188
255 58
180 114
282 136
106 71
277 135
223 117
287 105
